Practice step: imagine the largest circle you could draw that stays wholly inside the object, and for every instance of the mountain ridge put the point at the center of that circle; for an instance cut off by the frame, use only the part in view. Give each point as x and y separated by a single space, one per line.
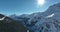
48 21
10 25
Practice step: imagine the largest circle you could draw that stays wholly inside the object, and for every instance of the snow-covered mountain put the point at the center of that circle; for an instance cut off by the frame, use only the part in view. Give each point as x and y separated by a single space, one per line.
48 21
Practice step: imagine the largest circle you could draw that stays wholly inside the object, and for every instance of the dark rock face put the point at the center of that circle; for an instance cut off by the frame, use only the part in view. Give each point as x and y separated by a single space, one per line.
10 25
1 15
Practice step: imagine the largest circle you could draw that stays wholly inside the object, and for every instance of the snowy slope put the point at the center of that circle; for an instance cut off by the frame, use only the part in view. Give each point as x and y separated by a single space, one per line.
48 21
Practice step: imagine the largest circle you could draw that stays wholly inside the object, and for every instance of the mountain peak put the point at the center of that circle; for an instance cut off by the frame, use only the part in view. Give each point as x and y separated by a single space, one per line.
53 9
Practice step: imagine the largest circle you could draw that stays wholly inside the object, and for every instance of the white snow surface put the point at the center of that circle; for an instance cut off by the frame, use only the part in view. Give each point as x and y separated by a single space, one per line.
50 15
2 18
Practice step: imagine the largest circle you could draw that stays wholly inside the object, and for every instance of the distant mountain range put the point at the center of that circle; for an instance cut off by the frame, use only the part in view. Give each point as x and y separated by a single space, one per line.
48 21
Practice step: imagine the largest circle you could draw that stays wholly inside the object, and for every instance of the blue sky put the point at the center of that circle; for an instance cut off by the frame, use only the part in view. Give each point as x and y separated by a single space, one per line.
9 7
